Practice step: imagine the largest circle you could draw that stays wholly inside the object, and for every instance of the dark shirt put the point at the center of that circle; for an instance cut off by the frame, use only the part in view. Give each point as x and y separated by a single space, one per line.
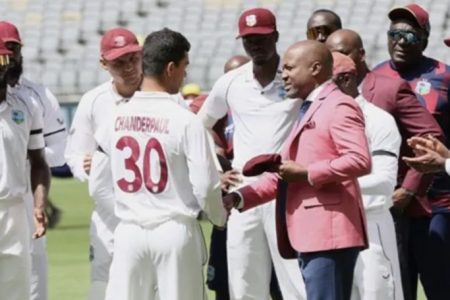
430 80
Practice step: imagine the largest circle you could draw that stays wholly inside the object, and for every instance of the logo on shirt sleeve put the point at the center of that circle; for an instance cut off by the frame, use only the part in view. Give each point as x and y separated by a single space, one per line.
18 116
423 87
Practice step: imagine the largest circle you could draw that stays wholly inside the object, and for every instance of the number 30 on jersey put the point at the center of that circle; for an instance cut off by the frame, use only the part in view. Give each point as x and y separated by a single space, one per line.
143 173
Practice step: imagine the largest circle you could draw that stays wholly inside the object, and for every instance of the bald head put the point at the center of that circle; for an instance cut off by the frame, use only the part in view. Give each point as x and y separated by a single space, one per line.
235 62
321 24
347 42
306 65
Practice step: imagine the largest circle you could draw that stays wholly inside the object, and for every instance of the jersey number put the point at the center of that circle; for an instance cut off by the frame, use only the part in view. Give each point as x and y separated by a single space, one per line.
146 173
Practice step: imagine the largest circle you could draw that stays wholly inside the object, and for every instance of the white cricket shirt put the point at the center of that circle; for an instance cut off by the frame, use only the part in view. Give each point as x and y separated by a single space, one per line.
20 131
161 162
54 130
384 144
263 117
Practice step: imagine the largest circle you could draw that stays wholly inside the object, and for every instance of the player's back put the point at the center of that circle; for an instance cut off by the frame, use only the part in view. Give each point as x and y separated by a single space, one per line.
155 172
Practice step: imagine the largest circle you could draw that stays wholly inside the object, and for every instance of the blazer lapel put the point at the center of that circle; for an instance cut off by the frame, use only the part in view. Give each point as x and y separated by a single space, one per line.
315 106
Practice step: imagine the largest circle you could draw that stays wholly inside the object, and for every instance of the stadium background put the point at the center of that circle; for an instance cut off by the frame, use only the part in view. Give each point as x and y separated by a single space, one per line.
61 50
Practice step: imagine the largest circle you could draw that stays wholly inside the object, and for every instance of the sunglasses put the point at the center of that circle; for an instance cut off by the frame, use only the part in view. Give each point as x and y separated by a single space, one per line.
409 37
314 32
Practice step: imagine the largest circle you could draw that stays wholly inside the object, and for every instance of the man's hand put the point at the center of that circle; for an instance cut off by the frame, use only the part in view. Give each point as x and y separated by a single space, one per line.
430 154
292 171
230 179
231 201
402 198
40 222
87 161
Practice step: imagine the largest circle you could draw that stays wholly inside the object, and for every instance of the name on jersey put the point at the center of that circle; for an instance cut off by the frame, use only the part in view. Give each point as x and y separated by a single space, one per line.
142 124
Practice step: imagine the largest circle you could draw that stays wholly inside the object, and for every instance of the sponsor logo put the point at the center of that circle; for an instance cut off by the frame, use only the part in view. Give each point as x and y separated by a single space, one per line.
250 20
60 121
18 116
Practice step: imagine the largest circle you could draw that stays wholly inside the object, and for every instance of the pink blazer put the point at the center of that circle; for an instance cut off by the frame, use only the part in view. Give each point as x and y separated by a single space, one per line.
330 141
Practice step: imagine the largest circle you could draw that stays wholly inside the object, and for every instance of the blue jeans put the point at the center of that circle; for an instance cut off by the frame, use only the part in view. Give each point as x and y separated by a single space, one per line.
328 275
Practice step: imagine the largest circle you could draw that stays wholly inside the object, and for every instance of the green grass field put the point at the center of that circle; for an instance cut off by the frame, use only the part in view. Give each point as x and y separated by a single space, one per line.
68 246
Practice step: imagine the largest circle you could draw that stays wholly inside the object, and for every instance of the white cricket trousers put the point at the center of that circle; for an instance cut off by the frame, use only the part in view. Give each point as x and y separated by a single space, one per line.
15 265
103 224
251 249
164 262
38 252
377 270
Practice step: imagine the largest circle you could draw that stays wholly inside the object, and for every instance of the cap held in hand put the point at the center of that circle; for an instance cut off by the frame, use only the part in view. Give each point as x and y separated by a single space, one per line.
262 163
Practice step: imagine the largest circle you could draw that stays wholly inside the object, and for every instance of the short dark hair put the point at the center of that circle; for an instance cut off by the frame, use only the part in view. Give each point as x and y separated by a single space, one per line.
337 20
160 48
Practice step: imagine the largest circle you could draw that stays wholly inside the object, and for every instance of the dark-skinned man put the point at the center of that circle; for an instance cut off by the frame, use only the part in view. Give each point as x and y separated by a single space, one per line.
395 96
321 24
320 162
262 120
407 39
21 140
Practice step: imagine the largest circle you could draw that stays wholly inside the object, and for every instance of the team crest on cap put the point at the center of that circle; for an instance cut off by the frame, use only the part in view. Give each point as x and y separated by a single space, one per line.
423 87
119 41
18 116
250 20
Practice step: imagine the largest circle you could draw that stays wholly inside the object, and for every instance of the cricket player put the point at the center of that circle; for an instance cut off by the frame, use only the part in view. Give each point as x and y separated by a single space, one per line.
263 119
121 56
164 176
20 137
377 270
55 141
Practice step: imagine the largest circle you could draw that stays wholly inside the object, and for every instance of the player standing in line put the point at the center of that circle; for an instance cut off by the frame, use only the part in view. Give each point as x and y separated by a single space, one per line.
55 141
121 56
20 137
263 118
164 176
377 270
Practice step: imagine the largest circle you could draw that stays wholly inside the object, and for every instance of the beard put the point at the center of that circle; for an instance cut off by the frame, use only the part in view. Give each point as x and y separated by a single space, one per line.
15 71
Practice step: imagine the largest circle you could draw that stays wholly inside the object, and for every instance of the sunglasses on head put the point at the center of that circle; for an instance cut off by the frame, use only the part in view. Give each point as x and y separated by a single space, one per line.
409 37
314 32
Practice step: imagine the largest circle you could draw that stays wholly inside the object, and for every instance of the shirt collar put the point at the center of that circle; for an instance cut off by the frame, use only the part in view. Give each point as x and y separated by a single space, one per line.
277 80
117 97
144 95
315 93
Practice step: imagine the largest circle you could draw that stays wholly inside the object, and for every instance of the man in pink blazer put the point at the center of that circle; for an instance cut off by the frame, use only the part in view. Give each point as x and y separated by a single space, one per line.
322 158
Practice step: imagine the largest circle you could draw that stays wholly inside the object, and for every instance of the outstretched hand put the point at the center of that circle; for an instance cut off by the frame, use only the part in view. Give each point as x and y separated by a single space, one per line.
231 201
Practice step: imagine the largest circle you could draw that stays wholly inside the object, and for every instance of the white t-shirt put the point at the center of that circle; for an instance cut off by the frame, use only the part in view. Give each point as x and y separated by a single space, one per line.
161 162
384 144
20 130
262 116
54 130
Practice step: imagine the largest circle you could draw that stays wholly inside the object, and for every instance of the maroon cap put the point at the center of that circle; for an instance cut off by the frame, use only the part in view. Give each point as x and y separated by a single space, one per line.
256 21
9 33
447 41
117 42
414 11
342 64
262 163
